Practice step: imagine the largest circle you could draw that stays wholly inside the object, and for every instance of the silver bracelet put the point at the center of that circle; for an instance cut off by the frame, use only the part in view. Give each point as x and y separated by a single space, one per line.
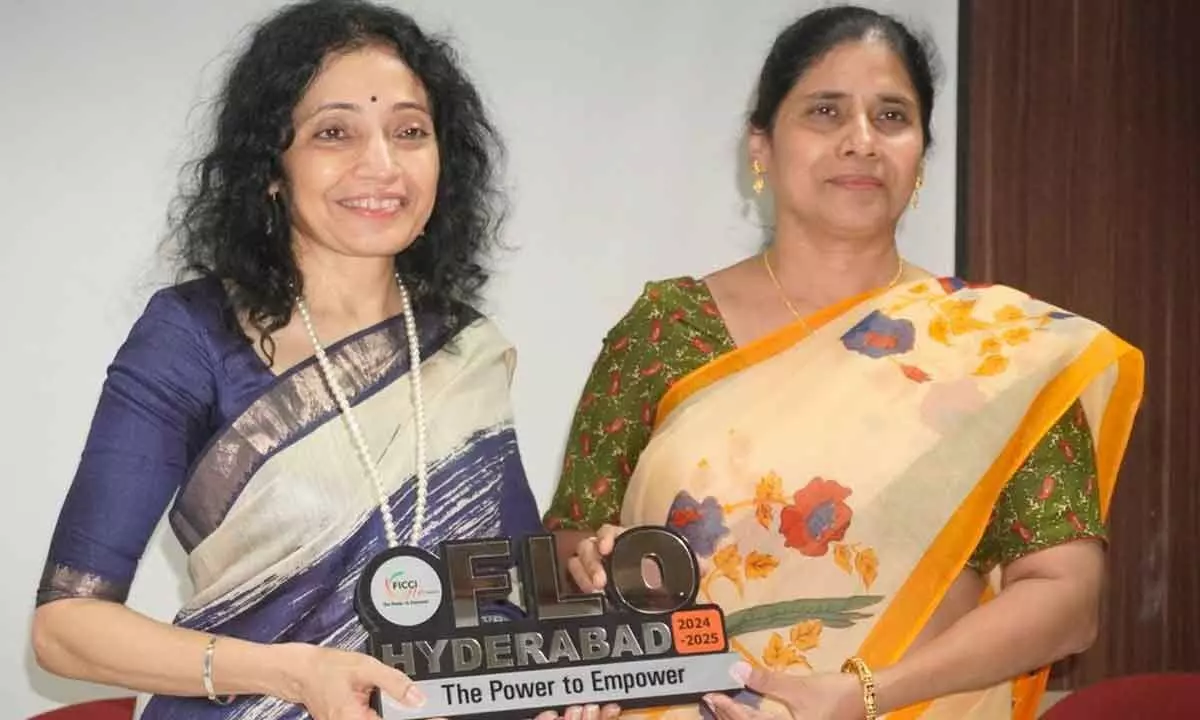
208 674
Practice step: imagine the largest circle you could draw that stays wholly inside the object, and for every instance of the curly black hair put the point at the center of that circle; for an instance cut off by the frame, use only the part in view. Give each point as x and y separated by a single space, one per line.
228 227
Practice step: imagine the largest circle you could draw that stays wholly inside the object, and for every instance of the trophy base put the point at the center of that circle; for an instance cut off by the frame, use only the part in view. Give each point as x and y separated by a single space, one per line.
522 694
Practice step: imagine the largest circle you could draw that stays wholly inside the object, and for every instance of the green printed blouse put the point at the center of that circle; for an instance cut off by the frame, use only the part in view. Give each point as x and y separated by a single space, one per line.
674 328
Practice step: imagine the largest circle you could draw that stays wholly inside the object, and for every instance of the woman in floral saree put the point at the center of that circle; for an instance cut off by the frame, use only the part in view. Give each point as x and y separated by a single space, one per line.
872 464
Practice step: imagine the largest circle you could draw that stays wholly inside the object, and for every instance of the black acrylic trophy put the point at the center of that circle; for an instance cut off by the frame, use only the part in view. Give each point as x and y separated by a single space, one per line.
651 646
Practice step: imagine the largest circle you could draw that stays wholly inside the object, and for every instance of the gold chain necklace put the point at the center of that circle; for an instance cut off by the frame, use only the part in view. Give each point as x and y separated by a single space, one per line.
783 295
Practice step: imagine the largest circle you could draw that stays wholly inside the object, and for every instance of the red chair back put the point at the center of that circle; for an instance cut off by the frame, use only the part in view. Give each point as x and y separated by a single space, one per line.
1155 697
114 709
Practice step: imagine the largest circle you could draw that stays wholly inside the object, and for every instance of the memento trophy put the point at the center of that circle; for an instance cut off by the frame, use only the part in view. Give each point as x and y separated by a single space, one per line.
630 644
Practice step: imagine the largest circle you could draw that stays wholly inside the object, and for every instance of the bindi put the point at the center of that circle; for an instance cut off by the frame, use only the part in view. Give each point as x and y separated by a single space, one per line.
374 99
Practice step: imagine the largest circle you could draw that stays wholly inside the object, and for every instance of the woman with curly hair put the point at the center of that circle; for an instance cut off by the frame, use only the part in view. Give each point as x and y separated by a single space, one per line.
317 389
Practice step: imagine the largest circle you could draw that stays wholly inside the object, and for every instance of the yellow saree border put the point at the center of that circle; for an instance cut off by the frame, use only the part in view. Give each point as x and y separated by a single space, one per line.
925 587
754 352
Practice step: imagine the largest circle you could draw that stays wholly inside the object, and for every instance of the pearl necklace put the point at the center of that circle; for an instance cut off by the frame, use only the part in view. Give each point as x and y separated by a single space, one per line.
356 435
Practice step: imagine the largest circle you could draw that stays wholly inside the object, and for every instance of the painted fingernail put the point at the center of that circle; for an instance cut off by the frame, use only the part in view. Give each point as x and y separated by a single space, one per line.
414 696
740 671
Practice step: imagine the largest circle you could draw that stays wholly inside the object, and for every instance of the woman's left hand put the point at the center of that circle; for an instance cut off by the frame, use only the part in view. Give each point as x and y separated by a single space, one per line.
827 696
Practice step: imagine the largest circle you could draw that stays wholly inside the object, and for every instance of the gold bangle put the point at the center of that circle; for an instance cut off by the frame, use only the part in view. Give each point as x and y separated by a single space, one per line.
857 666
207 675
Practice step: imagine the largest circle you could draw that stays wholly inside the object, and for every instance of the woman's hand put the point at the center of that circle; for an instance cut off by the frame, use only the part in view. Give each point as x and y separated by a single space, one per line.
586 712
827 696
586 568
587 565
337 684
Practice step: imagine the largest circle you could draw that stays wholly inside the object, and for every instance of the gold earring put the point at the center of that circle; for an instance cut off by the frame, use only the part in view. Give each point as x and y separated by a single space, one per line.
760 181
916 195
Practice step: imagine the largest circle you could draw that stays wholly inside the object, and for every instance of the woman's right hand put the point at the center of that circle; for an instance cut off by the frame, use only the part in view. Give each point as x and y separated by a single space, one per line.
586 566
587 712
337 684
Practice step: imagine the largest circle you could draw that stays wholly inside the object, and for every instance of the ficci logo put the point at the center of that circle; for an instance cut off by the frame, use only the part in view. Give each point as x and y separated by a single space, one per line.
398 587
